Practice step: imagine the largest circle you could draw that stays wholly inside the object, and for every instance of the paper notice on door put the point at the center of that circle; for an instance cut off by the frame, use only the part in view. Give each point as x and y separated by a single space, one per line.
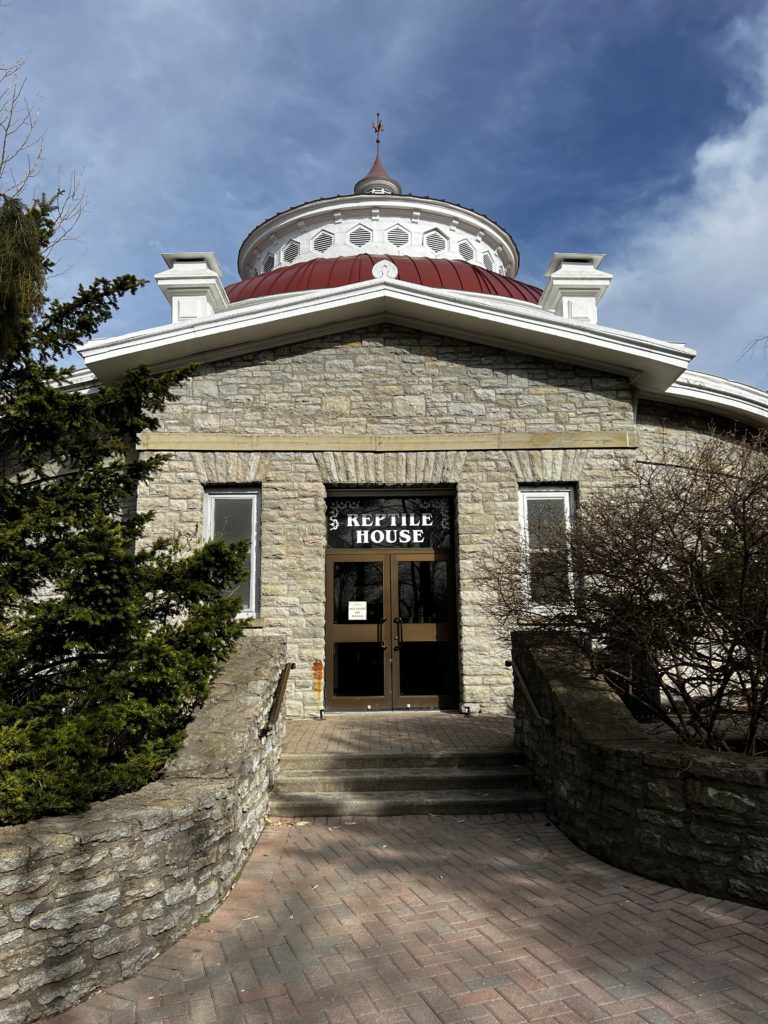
357 611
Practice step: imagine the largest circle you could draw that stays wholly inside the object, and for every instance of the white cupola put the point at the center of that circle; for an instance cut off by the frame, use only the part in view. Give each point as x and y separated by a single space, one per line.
378 223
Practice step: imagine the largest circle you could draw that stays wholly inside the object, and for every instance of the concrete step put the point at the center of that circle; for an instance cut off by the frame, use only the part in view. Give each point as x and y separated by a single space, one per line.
440 759
373 784
349 780
383 803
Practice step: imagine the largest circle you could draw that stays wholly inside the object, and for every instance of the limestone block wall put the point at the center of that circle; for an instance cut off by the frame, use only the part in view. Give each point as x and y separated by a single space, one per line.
391 380
87 899
665 429
693 818
380 381
293 536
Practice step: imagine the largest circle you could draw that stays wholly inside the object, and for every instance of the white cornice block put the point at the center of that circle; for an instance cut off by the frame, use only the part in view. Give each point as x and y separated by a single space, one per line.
192 285
575 285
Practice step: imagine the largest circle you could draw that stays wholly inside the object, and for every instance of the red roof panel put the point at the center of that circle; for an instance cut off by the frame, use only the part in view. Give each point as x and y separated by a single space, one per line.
341 270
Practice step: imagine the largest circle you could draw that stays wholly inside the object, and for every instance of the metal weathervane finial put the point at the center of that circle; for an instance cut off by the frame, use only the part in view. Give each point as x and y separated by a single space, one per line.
378 128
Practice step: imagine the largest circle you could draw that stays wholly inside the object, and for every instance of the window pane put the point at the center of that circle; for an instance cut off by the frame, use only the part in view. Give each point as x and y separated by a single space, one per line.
546 524
427 669
423 591
358 670
546 521
548 578
232 521
362 585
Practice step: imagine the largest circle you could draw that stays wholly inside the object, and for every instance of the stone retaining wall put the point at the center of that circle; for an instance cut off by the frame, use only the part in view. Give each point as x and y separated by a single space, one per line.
87 899
688 817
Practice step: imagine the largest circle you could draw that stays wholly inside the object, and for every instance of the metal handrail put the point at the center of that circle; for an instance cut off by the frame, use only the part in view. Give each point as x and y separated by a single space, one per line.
277 699
520 681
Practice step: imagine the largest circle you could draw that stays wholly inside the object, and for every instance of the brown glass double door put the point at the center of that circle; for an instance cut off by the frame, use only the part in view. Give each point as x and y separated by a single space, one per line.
391 630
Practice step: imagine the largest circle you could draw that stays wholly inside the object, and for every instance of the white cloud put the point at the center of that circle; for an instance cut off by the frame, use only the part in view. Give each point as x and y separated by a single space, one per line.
693 267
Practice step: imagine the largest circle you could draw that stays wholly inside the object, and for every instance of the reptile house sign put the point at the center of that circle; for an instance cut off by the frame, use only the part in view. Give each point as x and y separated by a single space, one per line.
387 521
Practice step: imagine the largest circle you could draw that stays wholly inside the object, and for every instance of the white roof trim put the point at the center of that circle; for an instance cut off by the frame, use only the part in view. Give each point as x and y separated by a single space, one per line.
81 379
719 395
504 323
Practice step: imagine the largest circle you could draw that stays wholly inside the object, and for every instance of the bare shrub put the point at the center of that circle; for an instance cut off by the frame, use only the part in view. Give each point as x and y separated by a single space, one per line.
668 576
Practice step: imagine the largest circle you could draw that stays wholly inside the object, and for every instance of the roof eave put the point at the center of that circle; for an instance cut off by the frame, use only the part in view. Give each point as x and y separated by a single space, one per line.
650 364
718 396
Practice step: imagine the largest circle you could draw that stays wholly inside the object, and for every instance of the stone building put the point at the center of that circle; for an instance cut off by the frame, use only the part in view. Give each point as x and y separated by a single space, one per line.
377 401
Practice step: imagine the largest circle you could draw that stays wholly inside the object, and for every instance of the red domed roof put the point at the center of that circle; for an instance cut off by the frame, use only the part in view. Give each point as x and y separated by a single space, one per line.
341 270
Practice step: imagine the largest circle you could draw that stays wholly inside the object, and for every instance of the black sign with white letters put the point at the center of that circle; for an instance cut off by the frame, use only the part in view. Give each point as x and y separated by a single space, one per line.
416 521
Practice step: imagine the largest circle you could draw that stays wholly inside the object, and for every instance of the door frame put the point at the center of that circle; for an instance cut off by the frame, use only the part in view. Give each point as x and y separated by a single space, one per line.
390 633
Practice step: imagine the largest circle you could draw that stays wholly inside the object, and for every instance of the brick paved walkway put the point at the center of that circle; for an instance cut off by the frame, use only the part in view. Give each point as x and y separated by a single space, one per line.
493 919
430 920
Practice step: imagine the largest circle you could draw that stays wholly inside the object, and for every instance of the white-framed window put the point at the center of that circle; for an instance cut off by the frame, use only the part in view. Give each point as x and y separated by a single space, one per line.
231 514
545 519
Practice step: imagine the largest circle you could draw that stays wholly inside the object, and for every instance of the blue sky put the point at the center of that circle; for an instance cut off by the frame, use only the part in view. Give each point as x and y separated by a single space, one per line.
636 128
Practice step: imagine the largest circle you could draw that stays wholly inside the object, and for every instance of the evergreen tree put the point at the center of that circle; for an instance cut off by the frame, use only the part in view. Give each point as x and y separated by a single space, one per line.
107 645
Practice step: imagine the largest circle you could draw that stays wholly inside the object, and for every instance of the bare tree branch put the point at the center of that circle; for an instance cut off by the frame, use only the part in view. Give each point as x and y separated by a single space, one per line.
756 347
22 147
21 144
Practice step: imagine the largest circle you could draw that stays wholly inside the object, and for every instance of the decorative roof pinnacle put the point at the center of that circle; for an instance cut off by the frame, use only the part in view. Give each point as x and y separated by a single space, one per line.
378 181
378 128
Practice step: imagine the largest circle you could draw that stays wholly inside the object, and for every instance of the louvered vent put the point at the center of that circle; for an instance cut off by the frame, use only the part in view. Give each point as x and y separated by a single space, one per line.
488 261
435 241
466 251
360 236
397 236
322 241
269 263
291 251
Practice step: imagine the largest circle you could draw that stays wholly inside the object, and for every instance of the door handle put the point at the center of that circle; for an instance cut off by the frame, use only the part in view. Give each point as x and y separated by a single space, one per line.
381 641
398 634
